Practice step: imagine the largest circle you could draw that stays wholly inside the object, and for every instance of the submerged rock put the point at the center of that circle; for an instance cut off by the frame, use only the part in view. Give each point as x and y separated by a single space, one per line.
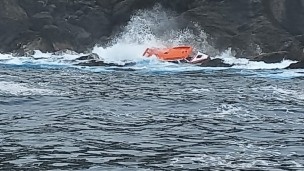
215 63
94 62
94 59
92 56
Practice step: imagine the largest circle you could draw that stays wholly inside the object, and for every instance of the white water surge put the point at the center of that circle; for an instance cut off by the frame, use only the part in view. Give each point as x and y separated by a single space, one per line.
147 28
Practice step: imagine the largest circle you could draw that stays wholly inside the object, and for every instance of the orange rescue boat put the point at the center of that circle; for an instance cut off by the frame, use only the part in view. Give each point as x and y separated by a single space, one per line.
179 53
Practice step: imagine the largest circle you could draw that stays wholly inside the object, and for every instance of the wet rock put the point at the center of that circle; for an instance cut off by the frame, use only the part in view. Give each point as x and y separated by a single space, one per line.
92 63
215 63
274 57
92 56
95 63
248 27
123 69
298 65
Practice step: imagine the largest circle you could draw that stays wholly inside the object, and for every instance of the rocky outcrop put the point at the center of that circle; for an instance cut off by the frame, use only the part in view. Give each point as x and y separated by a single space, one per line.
12 22
215 63
55 25
298 65
95 62
267 30
92 56
249 27
273 57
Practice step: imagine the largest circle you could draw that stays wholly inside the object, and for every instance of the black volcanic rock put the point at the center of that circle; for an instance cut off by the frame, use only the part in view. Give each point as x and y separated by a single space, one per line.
246 26
215 63
104 64
92 56
273 27
298 65
97 63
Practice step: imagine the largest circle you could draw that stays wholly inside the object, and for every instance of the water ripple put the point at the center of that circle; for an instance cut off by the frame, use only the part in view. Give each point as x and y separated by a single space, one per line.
132 121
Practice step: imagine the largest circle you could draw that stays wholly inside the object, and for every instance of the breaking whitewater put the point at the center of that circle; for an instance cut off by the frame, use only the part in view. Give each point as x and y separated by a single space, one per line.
151 28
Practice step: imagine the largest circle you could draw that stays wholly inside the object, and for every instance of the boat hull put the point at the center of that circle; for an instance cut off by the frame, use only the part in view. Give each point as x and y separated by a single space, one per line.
180 54
169 54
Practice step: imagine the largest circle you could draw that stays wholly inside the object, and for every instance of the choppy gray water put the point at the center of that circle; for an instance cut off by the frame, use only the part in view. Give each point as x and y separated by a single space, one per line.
79 120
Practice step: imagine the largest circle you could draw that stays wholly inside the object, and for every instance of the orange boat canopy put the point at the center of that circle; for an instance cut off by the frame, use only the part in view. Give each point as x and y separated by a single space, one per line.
168 54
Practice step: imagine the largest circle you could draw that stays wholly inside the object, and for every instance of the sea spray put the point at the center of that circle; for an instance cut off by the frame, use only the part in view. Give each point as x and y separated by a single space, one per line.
243 63
157 27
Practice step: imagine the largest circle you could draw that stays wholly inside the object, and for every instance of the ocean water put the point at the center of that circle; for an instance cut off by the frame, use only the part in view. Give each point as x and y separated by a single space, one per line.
55 115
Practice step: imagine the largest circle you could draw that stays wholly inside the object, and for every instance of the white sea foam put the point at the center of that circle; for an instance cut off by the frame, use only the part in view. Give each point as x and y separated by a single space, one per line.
201 90
156 27
22 89
5 56
150 28
243 156
243 63
283 92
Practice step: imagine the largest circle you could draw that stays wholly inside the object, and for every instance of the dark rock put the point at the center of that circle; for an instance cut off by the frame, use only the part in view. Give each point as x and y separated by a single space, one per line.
57 24
248 27
12 21
58 39
10 9
274 57
92 56
102 63
39 20
95 63
33 7
298 65
123 69
79 35
215 63
289 14
272 27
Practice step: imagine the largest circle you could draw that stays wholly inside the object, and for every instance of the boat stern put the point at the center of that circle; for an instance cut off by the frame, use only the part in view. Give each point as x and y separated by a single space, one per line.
199 58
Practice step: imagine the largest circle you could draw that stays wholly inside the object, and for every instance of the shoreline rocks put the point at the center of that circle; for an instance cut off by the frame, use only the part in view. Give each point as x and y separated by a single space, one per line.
298 65
215 63
274 57
248 27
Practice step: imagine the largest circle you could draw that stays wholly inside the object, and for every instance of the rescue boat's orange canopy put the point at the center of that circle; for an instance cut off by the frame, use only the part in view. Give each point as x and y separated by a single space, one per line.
175 53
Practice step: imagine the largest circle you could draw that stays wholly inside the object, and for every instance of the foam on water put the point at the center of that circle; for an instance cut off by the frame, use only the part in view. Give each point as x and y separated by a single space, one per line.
156 27
243 63
39 58
283 93
18 89
250 153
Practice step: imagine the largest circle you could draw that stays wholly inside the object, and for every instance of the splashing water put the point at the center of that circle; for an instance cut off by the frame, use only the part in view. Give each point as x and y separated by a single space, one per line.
243 63
150 28
156 27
